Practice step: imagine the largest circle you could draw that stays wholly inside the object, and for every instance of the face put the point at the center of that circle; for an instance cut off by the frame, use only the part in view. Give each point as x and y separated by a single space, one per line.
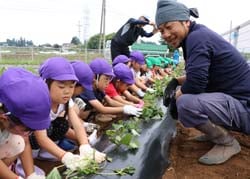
121 86
61 91
136 66
174 32
102 82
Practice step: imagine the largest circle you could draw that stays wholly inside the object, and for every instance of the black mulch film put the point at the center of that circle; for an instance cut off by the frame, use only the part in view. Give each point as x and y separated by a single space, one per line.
151 159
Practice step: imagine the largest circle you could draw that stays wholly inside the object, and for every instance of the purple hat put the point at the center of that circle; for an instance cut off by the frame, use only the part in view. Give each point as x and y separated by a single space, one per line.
84 74
138 57
101 66
120 59
57 68
123 73
27 97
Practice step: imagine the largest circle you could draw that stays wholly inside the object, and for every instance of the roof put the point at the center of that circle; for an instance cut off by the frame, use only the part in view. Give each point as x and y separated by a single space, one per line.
150 49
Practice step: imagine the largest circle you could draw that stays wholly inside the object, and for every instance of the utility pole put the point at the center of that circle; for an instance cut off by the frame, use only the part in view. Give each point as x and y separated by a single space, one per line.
102 27
79 29
85 32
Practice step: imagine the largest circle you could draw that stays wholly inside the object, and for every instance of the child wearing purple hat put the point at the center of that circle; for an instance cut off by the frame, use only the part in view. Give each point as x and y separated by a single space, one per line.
25 106
137 62
94 98
119 85
60 77
122 59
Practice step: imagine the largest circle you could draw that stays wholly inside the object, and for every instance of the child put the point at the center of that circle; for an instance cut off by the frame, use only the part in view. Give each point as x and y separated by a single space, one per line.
25 107
94 98
122 59
136 63
61 79
120 83
127 61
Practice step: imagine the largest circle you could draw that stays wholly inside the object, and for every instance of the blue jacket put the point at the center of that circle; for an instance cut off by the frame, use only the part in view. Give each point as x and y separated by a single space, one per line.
213 65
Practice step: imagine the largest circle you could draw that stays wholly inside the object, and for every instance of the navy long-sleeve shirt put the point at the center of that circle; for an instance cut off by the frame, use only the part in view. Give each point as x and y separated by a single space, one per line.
129 32
214 65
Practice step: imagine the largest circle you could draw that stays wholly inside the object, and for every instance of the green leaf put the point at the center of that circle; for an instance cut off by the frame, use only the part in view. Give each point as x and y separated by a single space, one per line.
134 132
54 174
126 139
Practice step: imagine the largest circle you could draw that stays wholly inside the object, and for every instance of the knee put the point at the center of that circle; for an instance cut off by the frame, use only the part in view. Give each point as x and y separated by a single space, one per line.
185 102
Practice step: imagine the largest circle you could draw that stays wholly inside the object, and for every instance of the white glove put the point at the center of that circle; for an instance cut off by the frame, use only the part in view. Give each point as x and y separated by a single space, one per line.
35 176
86 151
19 177
131 110
93 138
150 90
73 161
80 103
71 103
140 93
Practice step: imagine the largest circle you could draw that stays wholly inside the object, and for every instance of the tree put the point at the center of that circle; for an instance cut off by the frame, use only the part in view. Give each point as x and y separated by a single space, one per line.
93 42
75 40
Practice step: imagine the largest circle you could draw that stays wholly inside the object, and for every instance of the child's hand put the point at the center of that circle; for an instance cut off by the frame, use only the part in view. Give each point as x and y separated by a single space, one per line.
86 151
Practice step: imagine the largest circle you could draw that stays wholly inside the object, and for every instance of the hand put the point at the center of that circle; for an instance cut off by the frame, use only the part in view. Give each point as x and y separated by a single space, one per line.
71 103
86 151
72 161
150 90
151 23
140 93
35 176
172 108
170 91
131 110
80 103
140 104
93 138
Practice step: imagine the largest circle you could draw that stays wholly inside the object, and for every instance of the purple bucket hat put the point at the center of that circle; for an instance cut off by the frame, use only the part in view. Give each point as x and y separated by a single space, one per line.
101 66
120 59
26 96
138 57
123 73
84 74
57 68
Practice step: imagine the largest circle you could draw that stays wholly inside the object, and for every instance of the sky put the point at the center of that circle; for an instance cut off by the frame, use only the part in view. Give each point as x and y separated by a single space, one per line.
57 21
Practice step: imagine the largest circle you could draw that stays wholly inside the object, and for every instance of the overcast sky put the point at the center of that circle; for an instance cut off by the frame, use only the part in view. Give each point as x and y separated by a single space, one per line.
56 21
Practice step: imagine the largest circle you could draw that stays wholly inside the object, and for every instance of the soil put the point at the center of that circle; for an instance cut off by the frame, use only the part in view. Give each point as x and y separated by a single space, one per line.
185 152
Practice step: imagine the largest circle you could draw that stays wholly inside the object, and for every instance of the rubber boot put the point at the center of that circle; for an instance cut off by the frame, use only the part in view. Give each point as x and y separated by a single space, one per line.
225 145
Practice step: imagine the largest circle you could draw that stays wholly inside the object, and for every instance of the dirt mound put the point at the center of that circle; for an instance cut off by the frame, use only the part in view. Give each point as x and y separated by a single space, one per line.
184 154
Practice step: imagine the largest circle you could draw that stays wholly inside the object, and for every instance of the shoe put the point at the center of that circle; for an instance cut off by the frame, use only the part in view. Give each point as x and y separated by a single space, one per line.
220 153
67 144
201 138
90 127
19 169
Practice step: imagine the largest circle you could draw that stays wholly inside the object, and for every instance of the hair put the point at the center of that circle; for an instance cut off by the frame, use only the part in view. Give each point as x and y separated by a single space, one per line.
49 82
13 118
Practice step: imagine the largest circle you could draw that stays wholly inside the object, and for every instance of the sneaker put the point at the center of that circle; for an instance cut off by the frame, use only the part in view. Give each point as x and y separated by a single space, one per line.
90 127
67 144
19 169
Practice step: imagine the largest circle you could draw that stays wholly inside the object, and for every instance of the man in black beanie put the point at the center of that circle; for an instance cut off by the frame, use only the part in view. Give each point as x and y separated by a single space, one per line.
214 95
